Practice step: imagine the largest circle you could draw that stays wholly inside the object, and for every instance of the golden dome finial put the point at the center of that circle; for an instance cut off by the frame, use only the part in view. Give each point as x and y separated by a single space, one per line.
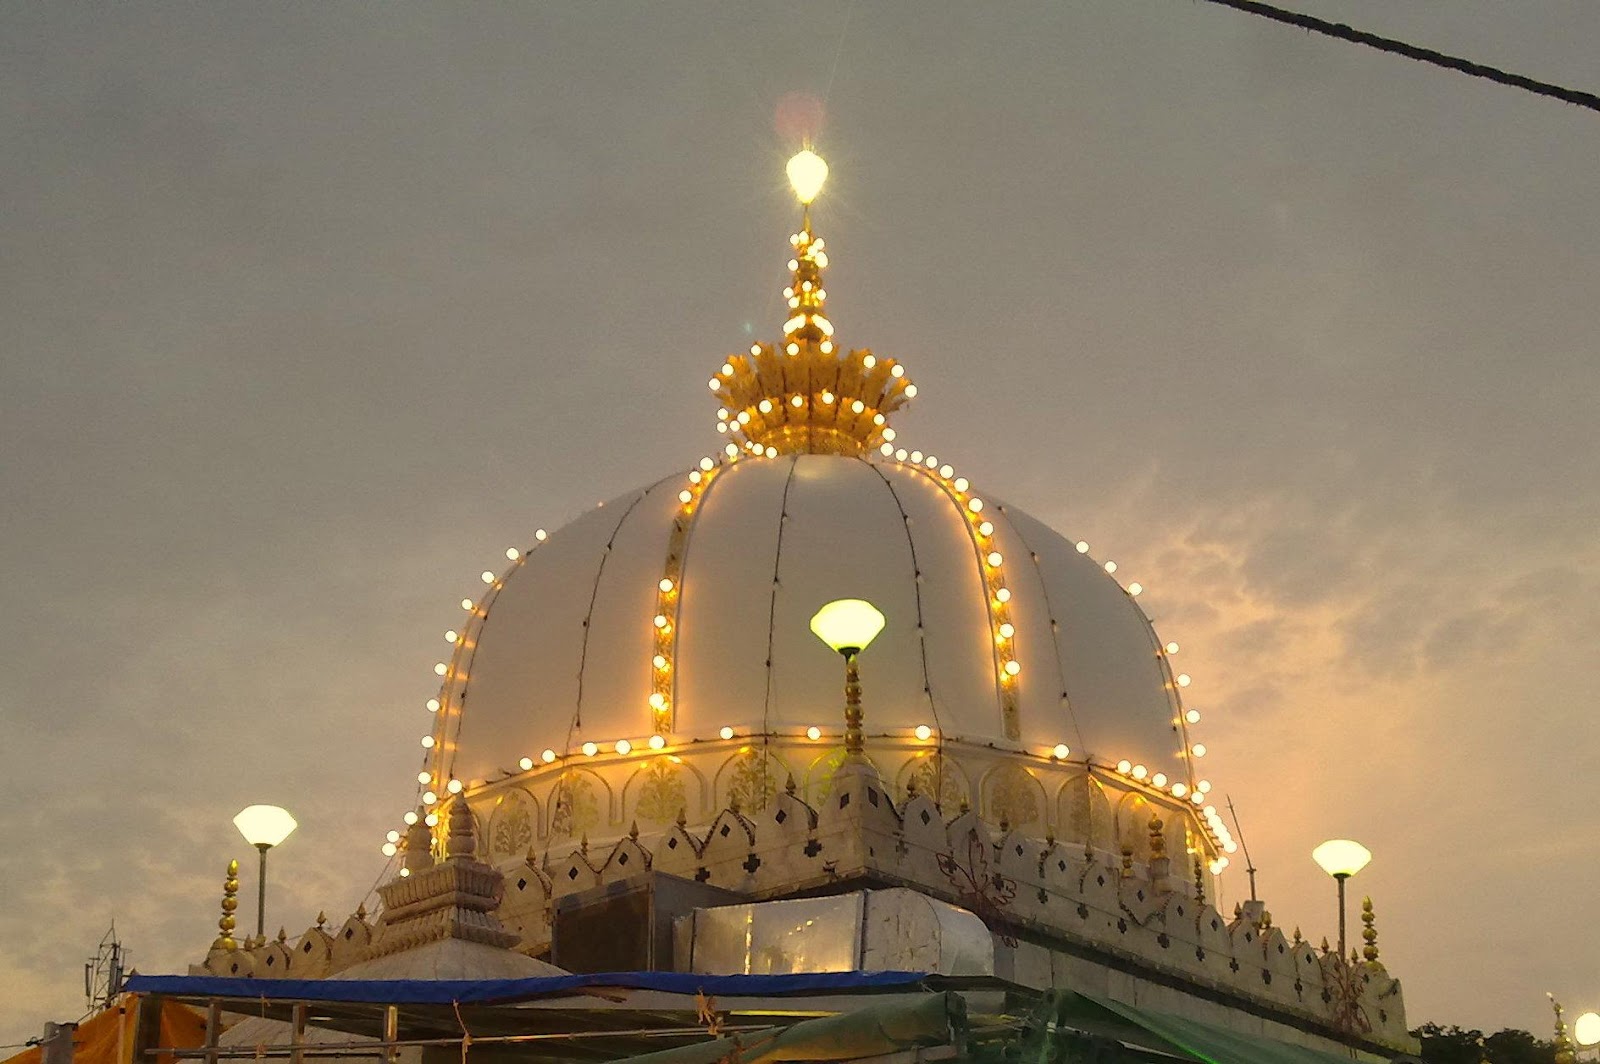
801 395
1563 1044
230 903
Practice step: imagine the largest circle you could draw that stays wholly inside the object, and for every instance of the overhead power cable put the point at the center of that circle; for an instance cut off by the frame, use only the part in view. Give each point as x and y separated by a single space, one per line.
1410 51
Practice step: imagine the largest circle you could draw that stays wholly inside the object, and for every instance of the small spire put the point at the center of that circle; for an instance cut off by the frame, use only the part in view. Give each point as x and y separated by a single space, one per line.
460 844
230 903
633 831
1297 938
283 935
419 848
1324 944
1563 1044
683 816
788 785
322 918
361 910
1158 840
1369 932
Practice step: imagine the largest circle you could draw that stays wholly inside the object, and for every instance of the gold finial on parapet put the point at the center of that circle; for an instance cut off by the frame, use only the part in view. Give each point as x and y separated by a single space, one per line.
1158 841
1563 1045
322 918
1127 860
1369 932
230 903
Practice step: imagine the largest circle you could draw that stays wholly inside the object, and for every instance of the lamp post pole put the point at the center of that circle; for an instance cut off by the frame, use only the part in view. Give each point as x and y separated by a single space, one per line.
261 892
1340 878
853 716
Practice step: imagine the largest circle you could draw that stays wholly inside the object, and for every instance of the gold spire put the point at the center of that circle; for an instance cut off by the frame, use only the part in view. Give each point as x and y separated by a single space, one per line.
802 396
1369 932
230 902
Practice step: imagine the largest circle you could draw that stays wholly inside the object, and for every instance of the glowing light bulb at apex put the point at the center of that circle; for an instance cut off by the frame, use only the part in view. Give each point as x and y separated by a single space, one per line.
410 817
1192 716
657 742
827 347
857 406
454 787
486 576
433 705
1198 749
924 732
726 732
869 361
1183 679
590 749
1124 766
525 764
897 371
1159 779
807 171
548 756
813 733
624 746
793 349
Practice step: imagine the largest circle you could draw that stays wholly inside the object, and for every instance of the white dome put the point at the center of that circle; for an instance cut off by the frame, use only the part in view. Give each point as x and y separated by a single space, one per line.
561 651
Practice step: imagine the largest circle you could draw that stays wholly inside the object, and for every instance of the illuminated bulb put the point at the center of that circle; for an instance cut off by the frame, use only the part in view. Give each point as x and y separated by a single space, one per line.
887 450
525 764
813 733
946 470
1012 668
433 705
765 406
659 662
1197 798
1124 766
797 401
1139 772
1198 749
486 576
695 476
722 427
793 349
450 636
513 553
827 347
590 749
429 798
1210 811
962 484
1135 588
772 452
1230 846
466 604
404 872
424 777
878 419
1003 595
985 529
1061 751
658 701
713 384
1172 648
624 746
410 818
1083 548
1179 790
1159 779
440 668
995 558
911 391
726 732
1007 630
924 732
900 455
427 742
1204 786
1183 679
665 585
1192 716
888 434
1111 567
548 756
706 464
897 371
432 820
857 407
916 456
731 450
932 462
657 742
744 417
975 505
807 171
390 849
454 787
869 361
661 620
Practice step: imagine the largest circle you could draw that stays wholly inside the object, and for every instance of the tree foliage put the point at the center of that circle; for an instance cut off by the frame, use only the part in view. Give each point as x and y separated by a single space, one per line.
1457 1045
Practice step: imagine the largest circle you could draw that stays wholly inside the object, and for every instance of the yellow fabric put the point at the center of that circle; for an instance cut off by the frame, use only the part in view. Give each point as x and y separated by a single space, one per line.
96 1041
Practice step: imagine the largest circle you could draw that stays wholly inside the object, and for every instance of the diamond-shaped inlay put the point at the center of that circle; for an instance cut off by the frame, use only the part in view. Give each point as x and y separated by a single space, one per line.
1122 925
1100 880
572 873
622 858
926 816
1061 866
726 831
781 816
844 799
522 884
1163 940
872 796
672 844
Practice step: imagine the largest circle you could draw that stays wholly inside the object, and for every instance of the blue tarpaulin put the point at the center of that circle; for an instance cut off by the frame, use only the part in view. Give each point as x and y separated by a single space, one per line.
485 991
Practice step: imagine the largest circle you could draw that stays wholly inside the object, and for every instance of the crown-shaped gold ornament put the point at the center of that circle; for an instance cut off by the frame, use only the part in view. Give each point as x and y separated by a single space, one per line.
801 395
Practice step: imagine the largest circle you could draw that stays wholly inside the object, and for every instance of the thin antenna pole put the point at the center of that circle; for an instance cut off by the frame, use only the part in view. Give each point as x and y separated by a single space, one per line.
1249 865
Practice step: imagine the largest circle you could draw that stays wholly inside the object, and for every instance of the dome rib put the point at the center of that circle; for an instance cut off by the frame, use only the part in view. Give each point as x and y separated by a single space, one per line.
772 600
916 573
682 542
594 594
1004 706
1050 615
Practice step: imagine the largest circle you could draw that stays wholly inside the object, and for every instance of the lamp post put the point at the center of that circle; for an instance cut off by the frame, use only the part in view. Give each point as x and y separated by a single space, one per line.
1341 859
263 826
848 626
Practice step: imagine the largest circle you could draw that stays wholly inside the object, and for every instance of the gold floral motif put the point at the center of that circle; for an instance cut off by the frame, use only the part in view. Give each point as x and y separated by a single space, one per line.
754 781
576 810
1086 813
938 781
660 792
1013 797
512 828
